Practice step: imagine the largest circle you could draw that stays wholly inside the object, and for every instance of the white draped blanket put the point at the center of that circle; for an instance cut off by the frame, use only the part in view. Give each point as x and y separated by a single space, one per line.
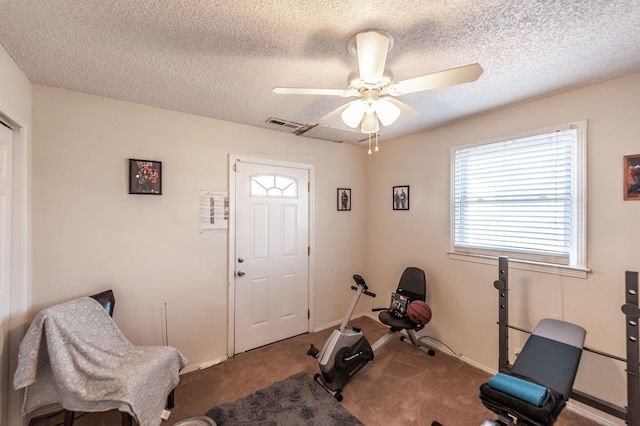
75 355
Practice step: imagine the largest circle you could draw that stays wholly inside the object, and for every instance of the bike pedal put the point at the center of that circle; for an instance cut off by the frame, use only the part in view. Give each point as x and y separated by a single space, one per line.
313 351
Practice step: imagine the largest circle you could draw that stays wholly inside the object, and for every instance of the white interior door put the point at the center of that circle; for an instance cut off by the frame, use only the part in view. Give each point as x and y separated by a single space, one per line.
271 254
6 162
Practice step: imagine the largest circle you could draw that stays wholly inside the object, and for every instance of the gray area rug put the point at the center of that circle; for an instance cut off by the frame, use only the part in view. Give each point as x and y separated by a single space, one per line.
296 400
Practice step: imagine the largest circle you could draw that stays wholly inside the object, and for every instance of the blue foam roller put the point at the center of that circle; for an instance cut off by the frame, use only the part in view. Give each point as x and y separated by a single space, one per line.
529 392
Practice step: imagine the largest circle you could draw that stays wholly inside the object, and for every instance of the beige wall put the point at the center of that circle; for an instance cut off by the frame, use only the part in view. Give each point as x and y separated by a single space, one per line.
15 88
463 299
90 234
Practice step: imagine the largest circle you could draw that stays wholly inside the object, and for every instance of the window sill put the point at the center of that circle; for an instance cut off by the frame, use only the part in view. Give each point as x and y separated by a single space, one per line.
546 268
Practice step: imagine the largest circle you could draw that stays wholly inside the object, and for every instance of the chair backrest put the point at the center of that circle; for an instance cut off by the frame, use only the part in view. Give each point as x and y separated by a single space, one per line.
413 284
107 300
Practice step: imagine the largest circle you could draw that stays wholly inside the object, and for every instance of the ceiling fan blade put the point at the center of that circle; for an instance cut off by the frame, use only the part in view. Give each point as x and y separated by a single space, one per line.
372 49
304 91
407 112
465 74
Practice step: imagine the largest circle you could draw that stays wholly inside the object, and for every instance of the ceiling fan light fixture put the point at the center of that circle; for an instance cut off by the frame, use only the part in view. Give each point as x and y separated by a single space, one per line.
372 80
352 115
386 111
370 123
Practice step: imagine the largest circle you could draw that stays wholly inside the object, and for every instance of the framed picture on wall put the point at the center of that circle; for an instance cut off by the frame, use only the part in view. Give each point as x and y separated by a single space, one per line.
632 177
344 199
401 197
145 177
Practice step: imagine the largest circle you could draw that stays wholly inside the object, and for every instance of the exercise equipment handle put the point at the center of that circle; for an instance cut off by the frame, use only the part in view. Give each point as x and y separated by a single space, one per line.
360 281
367 292
361 288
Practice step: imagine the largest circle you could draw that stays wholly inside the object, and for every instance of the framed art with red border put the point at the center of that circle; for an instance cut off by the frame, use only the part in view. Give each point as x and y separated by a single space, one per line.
632 177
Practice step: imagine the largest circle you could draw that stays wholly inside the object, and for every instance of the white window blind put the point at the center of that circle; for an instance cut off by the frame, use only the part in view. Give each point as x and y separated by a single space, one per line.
519 198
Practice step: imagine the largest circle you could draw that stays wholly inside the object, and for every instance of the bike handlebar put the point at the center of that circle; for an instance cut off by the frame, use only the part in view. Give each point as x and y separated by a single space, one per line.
367 292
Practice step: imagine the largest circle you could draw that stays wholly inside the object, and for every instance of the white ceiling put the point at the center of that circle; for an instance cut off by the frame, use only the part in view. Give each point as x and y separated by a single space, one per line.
221 59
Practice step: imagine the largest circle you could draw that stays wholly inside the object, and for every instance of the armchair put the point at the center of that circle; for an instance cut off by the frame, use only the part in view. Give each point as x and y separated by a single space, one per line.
74 355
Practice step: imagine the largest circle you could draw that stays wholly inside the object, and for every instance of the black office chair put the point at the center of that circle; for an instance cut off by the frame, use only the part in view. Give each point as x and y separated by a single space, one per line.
413 286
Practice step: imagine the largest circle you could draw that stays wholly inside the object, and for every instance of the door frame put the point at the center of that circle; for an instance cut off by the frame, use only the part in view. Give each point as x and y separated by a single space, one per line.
20 286
233 159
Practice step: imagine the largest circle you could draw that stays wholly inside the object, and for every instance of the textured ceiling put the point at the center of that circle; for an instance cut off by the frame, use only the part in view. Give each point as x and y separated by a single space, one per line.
221 59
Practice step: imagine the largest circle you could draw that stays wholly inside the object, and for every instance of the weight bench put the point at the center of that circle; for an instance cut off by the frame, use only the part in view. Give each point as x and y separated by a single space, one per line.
536 388
556 370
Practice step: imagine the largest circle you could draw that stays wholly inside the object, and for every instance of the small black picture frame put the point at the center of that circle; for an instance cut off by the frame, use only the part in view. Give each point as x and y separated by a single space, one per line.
145 177
344 199
401 197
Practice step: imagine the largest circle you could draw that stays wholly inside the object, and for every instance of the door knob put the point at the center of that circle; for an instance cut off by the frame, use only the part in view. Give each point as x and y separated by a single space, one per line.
241 273
240 259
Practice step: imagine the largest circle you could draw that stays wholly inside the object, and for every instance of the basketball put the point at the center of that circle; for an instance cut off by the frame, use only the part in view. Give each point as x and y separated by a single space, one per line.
419 312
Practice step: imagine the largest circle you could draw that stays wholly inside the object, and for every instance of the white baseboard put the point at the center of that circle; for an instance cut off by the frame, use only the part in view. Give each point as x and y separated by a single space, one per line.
593 416
203 365
336 324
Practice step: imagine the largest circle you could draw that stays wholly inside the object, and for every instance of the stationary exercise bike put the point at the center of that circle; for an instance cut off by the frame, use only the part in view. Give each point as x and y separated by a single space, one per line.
346 351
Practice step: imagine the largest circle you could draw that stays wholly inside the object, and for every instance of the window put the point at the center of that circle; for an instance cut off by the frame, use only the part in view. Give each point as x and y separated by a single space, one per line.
273 186
523 197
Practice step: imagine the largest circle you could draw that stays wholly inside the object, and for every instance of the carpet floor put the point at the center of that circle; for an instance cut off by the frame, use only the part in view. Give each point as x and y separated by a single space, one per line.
402 386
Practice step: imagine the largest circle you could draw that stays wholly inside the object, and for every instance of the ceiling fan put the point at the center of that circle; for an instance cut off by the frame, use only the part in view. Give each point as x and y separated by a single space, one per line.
372 83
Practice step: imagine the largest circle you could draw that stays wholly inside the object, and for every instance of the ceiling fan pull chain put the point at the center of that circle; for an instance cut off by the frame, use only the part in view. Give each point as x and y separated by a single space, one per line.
369 144
376 142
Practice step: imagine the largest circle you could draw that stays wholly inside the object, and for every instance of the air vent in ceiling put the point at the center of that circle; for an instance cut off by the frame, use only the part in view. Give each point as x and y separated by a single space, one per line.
287 126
